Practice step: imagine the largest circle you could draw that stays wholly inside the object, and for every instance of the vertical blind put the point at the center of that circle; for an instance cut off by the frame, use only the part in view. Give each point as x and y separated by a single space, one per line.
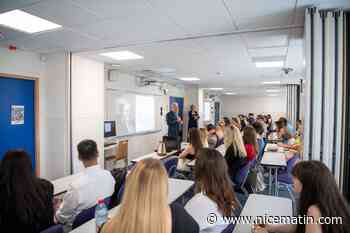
324 87
293 102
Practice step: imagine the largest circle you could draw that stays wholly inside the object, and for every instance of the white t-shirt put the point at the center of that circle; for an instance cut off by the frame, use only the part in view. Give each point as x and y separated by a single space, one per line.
199 207
92 184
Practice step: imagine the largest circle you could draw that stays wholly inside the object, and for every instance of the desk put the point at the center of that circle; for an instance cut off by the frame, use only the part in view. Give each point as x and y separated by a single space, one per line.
273 148
154 155
260 205
61 185
176 189
273 161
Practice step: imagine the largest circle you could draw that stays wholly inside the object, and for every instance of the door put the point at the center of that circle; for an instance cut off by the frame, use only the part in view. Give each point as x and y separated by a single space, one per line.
17 116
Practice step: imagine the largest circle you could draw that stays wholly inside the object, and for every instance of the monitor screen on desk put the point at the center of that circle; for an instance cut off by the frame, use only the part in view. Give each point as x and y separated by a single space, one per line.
109 129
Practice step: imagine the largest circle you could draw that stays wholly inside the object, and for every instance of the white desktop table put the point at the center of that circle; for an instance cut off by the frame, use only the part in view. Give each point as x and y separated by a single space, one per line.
271 147
273 161
61 185
176 189
261 205
154 155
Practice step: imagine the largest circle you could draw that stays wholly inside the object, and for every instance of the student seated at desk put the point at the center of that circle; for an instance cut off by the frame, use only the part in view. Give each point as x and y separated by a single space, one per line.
250 142
236 155
214 191
319 197
144 207
191 150
212 137
94 183
26 202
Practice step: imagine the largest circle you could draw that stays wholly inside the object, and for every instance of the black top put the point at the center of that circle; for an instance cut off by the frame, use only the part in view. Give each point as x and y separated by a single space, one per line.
181 221
193 117
234 160
173 125
11 222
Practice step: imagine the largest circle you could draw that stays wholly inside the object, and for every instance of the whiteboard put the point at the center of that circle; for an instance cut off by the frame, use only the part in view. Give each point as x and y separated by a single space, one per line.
133 112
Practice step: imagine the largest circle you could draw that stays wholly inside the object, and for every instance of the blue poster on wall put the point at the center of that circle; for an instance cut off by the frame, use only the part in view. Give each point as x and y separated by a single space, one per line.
17 116
180 102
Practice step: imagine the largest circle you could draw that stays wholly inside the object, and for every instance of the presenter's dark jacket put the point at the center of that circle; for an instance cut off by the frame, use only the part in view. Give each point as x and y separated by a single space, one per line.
192 121
173 125
13 220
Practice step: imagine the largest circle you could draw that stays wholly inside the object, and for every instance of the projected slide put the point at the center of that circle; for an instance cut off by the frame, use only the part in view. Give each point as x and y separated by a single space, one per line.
133 113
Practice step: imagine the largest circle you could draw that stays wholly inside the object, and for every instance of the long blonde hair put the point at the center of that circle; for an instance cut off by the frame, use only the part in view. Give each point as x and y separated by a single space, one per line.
144 207
203 133
234 136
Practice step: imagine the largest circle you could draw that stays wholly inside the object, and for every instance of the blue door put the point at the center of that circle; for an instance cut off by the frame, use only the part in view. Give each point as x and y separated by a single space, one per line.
17 129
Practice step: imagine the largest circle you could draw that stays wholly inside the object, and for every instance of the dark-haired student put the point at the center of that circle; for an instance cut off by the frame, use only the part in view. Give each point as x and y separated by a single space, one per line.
145 208
319 197
214 191
250 142
92 184
191 150
26 201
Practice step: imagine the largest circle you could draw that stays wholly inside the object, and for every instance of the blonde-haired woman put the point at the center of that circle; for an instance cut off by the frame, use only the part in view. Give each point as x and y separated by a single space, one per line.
145 207
203 133
236 155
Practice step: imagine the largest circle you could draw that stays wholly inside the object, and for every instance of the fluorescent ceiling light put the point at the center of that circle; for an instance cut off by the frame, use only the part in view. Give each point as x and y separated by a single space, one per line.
273 90
122 55
189 79
216 88
25 22
271 83
230 93
272 95
115 65
269 64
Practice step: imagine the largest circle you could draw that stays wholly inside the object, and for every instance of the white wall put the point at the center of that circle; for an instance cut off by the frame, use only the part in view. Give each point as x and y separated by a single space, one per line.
142 144
87 105
234 105
52 86
56 115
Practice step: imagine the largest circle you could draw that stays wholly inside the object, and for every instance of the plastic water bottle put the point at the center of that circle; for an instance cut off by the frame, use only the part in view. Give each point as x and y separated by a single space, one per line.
101 214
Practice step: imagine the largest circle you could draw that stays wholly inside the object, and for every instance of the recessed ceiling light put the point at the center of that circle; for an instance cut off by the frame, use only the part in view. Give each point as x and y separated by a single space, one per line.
115 65
269 64
230 93
25 22
189 79
271 83
216 88
273 90
122 55
272 95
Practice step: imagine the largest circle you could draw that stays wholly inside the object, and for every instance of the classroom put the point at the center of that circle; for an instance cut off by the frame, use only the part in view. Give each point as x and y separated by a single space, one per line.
183 116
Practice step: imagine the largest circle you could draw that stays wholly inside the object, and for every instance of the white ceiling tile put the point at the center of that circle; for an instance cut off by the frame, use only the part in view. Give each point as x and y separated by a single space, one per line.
261 13
196 16
65 13
115 8
130 30
266 39
266 52
7 5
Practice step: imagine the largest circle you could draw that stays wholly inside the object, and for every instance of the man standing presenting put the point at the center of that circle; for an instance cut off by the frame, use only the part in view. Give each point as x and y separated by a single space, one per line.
174 121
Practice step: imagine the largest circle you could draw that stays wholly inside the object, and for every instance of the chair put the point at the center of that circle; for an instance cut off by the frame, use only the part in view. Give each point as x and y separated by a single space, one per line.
54 229
285 177
122 152
170 165
120 192
229 228
241 178
171 143
87 215
262 146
